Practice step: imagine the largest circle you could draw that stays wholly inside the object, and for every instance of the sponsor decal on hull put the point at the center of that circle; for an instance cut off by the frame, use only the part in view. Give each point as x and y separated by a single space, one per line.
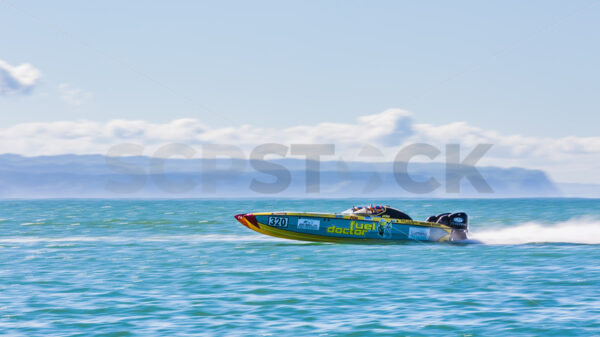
356 229
418 233
309 224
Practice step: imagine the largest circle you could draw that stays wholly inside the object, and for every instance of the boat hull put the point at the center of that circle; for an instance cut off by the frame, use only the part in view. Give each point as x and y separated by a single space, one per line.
343 228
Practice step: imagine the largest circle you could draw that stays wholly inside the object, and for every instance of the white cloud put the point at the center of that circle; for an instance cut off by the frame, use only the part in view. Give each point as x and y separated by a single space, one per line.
73 96
18 79
566 158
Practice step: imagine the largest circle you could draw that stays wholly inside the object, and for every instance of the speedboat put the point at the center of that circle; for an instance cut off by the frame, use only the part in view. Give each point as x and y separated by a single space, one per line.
369 224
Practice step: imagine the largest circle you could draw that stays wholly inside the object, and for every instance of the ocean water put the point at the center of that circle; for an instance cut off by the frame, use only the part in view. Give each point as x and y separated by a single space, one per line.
186 267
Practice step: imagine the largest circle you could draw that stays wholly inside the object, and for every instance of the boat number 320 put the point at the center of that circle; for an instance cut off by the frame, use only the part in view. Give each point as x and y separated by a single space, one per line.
276 221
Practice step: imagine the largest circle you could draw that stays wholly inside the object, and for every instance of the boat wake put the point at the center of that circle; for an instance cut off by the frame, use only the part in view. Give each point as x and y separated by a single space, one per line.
578 231
575 231
130 239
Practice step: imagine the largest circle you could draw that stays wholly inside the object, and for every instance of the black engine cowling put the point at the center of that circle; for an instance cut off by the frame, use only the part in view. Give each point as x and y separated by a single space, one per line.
458 220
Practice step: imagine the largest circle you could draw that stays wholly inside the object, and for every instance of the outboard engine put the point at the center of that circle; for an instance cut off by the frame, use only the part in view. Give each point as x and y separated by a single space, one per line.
459 222
460 226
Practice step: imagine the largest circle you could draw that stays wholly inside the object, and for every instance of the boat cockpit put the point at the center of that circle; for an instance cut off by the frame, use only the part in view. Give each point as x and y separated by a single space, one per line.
382 211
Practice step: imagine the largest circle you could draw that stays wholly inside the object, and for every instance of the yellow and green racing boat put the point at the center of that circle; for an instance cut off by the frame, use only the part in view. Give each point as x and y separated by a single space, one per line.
370 224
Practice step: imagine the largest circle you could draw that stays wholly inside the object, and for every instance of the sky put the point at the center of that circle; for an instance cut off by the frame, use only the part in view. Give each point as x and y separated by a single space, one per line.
524 75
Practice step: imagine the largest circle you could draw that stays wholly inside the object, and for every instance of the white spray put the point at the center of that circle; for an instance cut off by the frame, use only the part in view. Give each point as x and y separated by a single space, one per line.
578 230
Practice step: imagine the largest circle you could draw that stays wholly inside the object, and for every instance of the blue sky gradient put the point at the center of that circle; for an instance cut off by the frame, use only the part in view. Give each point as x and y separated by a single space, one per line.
528 68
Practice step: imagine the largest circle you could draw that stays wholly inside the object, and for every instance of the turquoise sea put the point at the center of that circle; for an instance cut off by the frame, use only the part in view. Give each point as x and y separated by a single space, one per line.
187 267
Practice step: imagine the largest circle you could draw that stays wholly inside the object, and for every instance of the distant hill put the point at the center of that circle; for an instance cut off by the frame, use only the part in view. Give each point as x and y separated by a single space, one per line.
91 176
